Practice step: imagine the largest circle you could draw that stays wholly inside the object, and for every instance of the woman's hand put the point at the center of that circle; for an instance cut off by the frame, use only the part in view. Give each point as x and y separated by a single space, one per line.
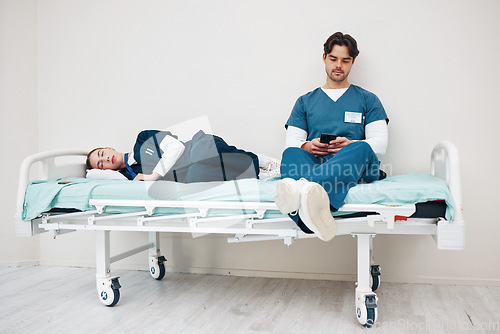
147 177
321 149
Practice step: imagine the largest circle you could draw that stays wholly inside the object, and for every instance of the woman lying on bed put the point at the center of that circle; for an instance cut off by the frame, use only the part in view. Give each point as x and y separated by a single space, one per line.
160 155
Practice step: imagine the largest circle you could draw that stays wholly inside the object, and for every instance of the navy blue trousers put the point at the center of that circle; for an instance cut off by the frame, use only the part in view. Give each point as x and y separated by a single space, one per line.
212 159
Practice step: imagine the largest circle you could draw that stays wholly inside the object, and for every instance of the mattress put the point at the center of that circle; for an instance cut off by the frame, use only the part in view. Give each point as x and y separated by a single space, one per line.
75 193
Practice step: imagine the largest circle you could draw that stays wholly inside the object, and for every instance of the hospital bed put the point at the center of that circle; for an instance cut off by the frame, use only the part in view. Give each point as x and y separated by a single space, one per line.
62 200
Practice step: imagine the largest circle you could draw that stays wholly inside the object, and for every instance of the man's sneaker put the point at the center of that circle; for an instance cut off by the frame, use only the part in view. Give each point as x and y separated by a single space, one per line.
315 211
287 197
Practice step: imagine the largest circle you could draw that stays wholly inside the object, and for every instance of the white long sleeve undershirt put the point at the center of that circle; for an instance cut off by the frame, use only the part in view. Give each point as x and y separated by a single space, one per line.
172 151
376 133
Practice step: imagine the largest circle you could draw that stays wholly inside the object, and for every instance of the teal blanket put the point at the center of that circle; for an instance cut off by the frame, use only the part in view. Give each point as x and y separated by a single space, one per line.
74 193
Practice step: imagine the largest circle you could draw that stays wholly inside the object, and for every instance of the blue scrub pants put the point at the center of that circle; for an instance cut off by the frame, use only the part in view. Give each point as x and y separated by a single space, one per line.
337 173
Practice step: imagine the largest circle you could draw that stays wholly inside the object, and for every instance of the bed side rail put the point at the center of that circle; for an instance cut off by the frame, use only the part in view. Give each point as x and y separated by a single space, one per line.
445 165
53 166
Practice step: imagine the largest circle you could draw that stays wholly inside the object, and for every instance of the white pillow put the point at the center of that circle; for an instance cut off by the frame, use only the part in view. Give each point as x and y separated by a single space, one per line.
105 174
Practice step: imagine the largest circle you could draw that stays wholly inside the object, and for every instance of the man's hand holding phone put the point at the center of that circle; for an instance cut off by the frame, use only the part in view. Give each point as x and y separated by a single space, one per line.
326 144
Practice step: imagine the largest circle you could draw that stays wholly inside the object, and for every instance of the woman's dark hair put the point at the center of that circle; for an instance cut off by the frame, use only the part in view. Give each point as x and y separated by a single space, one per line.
87 162
342 40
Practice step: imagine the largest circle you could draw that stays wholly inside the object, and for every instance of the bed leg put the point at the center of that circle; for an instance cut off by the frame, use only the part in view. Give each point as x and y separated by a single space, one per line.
107 285
374 268
366 299
156 260
103 258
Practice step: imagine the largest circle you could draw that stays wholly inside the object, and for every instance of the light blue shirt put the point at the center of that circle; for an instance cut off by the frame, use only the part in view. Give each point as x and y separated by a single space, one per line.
316 113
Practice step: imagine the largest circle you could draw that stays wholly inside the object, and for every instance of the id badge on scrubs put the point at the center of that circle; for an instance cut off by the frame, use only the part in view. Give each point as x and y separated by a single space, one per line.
353 117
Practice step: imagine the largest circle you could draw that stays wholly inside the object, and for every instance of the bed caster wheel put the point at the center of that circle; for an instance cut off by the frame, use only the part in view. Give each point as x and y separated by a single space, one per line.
366 309
157 267
109 291
375 272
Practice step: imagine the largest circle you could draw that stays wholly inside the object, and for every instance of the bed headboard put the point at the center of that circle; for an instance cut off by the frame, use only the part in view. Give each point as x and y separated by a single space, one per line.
53 165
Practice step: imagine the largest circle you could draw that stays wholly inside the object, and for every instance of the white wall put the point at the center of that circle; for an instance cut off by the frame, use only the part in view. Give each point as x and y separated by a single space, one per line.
108 69
18 124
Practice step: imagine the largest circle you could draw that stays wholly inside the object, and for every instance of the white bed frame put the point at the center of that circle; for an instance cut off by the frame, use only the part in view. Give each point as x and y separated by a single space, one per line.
243 228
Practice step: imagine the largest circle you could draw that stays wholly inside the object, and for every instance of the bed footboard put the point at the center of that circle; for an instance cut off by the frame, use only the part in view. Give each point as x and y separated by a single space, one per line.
445 165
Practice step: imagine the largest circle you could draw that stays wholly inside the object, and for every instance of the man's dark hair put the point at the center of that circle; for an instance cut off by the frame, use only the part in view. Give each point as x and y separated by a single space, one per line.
342 40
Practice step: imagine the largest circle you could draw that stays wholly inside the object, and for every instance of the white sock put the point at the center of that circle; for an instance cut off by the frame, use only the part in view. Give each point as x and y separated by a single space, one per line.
263 159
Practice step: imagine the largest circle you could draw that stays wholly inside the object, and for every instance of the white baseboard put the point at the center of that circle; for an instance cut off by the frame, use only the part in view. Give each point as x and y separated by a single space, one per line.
334 277
19 263
272 274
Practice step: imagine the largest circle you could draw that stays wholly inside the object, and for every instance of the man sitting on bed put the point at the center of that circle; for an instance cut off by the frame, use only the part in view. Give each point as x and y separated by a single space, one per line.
317 174
160 155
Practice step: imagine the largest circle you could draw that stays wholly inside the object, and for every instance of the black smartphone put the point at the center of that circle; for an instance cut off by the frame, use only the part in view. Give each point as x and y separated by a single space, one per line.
327 138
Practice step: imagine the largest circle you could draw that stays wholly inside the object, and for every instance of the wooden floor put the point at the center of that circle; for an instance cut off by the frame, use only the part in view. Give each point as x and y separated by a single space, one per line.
44 299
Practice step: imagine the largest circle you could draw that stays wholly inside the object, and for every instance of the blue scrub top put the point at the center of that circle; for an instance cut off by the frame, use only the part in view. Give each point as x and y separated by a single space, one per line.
316 113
